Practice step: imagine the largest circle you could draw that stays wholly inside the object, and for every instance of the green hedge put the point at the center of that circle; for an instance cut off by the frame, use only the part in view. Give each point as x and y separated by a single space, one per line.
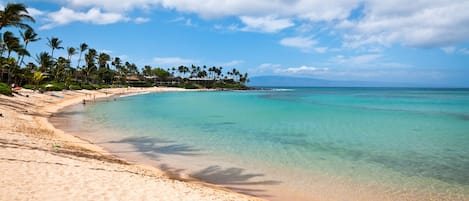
53 86
29 86
5 89
74 87
88 87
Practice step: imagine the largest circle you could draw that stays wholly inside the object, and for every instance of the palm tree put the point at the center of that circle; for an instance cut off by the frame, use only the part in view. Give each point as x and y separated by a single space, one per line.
90 63
21 53
83 47
44 60
147 70
132 68
28 36
183 70
244 78
60 69
54 43
70 52
14 14
103 69
103 58
11 43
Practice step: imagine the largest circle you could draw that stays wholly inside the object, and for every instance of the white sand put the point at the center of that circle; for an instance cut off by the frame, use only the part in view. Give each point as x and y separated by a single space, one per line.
32 169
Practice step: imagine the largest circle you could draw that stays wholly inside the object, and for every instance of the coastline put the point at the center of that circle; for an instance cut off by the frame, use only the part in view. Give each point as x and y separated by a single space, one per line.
41 162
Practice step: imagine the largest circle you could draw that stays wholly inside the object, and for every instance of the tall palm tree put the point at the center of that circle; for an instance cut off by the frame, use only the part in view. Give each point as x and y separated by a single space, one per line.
103 69
121 70
28 36
15 14
54 43
60 70
70 52
68 67
83 47
90 68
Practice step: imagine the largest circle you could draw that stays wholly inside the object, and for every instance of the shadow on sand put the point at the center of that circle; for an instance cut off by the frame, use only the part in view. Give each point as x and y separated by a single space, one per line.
236 179
155 147
233 178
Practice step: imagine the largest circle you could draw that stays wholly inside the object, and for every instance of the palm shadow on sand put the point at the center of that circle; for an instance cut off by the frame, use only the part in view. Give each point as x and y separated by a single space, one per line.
236 179
154 148
233 178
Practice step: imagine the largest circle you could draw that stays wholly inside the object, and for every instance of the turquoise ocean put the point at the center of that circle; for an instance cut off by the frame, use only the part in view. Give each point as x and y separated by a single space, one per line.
294 143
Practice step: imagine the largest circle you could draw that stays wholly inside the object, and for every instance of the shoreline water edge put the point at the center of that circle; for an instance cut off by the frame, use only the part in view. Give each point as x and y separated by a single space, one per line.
41 162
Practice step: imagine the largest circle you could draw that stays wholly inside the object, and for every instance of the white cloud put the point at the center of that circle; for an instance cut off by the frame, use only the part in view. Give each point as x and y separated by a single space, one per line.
267 24
35 12
302 70
364 61
106 51
141 20
298 42
184 20
357 60
464 51
114 5
306 44
436 23
449 49
269 68
265 68
423 24
94 16
170 61
232 63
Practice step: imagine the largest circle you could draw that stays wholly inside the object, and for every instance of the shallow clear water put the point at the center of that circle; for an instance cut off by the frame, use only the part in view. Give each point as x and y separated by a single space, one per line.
399 138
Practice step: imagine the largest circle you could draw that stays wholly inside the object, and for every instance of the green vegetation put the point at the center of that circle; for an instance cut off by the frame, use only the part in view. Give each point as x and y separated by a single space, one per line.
5 89
94 70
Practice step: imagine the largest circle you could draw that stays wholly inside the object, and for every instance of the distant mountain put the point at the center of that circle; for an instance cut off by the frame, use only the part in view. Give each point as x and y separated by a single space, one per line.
286 81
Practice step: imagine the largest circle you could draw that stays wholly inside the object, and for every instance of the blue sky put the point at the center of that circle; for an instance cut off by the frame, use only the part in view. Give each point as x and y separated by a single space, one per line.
367 40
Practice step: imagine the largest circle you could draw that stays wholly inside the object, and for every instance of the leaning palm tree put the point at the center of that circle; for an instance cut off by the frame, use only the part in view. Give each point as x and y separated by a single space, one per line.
22 52
15 14
83 47
54 43
28 36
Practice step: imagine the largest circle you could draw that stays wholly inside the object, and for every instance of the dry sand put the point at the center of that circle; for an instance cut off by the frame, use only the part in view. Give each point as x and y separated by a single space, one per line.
39 162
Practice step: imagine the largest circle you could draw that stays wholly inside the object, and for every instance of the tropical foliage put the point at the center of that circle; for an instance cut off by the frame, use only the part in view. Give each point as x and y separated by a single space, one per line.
94 69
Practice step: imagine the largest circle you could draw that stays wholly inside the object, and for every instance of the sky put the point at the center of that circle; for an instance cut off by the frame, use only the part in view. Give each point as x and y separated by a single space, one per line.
420 41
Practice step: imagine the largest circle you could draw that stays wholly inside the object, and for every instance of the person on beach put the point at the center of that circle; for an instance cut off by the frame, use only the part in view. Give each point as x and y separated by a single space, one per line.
84 102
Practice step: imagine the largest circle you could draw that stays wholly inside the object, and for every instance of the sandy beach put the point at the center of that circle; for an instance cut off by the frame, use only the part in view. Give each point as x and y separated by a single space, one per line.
39 162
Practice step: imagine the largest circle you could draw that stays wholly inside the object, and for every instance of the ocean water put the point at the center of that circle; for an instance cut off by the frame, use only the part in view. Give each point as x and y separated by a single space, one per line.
296 143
